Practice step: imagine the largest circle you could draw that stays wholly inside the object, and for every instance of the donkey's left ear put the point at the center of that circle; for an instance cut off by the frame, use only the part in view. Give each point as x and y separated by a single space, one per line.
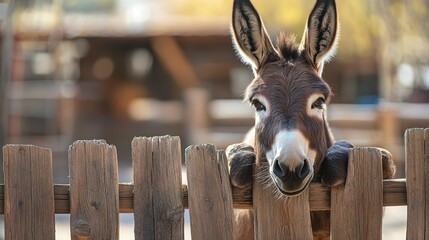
321 34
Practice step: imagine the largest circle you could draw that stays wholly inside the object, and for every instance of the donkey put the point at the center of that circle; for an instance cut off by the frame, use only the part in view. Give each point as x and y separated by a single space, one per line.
290 100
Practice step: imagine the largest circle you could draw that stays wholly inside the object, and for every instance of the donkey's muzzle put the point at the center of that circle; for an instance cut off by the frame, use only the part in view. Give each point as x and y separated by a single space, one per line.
284 173
293 181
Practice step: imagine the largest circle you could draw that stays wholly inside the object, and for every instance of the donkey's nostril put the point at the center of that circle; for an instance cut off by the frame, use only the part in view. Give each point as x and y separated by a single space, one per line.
303 169
280 170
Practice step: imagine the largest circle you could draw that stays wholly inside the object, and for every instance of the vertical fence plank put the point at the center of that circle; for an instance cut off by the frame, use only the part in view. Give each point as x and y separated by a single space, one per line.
29 193
158 209
417 170
209 193
280 218
426 167
94 190
357 208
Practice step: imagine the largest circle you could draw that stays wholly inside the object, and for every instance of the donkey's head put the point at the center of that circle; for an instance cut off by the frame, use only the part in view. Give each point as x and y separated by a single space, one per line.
288 93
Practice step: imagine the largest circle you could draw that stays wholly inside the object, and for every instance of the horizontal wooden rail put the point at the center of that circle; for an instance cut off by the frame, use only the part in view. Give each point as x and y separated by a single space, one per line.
394 194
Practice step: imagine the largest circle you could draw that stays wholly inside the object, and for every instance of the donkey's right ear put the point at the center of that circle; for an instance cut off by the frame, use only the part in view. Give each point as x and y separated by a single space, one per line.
249 35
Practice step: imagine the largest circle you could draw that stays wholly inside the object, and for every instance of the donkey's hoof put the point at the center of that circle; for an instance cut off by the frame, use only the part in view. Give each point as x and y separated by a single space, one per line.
241 158
334 168
389 168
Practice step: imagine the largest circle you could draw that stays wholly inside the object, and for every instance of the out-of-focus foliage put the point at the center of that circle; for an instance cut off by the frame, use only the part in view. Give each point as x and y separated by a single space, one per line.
357 21
365 24
362 22
404 45
392 33
405 23
89 6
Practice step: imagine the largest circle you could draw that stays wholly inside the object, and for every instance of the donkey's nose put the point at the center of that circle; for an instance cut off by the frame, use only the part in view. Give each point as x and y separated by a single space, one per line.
303 169
283 172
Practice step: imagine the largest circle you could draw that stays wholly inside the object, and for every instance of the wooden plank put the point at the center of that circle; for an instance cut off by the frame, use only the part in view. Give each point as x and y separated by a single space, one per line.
7 67
209 193
357 207
394 194
279 218
416 169
158 209
426 167
94 197
29 194
197 115
388 124
174 60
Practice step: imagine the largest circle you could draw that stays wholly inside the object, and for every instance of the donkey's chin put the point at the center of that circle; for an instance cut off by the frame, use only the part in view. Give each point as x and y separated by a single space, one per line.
293 188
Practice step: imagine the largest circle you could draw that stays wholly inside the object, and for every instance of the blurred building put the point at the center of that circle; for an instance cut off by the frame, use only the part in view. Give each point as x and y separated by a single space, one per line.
118 69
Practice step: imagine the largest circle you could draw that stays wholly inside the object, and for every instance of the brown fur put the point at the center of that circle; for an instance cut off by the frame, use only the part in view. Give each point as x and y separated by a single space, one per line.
287 85
286 75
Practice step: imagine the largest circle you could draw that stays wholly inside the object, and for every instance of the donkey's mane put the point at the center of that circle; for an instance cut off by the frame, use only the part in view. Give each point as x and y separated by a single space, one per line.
287 47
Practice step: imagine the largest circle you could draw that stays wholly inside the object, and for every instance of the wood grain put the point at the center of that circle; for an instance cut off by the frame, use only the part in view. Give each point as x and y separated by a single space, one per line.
94 198
417 182
425 159
357 207
29 196
394 194
209 193
94 191
284 218
158 209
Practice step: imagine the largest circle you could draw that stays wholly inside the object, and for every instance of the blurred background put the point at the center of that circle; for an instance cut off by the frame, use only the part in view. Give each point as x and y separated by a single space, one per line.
115 69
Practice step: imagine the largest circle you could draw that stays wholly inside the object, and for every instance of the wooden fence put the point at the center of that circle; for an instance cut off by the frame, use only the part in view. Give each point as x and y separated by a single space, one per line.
94 198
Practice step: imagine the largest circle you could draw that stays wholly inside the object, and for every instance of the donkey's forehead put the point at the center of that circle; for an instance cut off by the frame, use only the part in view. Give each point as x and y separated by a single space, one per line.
288 80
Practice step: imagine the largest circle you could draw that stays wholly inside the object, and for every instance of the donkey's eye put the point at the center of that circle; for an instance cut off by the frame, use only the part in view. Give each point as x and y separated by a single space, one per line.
258 105
318 103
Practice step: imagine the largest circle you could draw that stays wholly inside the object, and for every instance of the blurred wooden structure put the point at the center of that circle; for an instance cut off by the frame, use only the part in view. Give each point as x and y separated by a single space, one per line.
170 77
95 206
6 42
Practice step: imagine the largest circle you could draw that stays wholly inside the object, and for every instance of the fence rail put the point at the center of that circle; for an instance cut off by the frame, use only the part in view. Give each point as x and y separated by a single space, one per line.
394 194
94 198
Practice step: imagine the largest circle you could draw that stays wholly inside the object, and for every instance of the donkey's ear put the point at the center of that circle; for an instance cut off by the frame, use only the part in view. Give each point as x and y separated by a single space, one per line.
320 35
249 35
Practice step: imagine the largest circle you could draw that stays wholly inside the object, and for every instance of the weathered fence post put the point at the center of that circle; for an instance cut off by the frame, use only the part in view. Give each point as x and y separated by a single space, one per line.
94 190
29 193
417 170
209 193
158 208
357 208
283 218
